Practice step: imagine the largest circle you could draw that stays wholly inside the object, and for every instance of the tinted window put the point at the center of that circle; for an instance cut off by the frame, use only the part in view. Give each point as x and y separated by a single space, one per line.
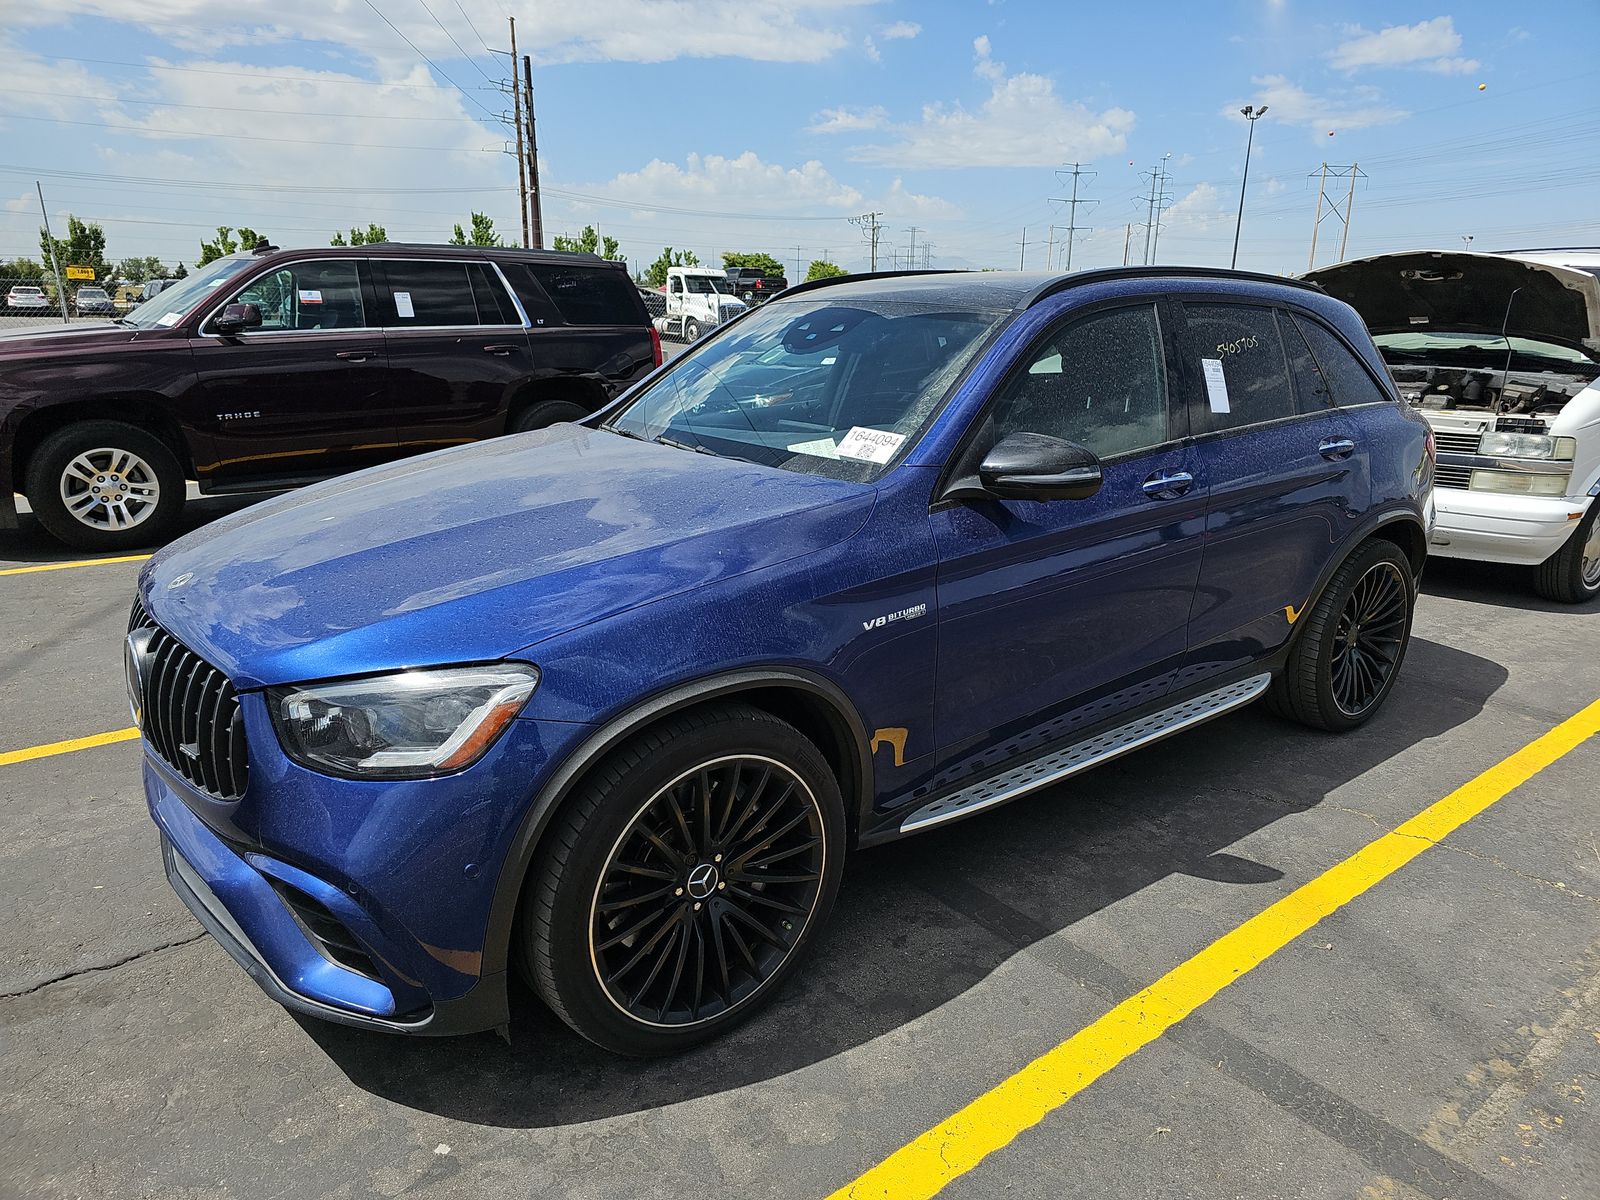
1243 342
494 306
589 296
307 296
430 293
1348 379
1100 382
1310 389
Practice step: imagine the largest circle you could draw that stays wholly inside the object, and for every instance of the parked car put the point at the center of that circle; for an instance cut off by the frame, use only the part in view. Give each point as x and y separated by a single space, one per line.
93 302
698 299
753 285
608 705
25 298
268 370
154 287
1501 355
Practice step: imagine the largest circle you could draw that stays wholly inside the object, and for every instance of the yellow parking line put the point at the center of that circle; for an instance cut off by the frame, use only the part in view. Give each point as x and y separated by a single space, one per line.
923 1166
28 753
67 566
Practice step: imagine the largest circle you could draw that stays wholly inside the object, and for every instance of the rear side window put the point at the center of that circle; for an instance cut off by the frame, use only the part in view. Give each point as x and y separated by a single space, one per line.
1237 349
1349 381
1099 382
494 306
430 293
588 295
1310 388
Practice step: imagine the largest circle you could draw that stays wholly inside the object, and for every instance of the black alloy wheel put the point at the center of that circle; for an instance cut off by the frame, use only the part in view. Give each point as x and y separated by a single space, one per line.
1369 637
708 890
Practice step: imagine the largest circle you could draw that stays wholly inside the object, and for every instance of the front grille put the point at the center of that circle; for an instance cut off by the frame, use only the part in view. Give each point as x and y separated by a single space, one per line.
191 714
1445 475
325 931
1457 443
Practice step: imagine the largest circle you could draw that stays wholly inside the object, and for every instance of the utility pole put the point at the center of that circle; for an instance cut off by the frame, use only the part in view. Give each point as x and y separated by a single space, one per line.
911 254
1127 241
522 163
870 227
797 262
55 263
1050 249
536 219
1334 205
1022 262
1072 203
1163 198
1156 202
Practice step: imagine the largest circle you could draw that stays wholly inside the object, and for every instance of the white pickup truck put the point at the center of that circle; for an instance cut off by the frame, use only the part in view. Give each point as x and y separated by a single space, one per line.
698 299
1501 355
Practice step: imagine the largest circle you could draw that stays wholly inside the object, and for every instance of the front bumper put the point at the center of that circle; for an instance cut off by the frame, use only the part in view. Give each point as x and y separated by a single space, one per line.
1497 527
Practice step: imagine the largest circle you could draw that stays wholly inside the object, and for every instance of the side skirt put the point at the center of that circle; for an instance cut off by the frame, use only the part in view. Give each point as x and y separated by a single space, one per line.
1058 764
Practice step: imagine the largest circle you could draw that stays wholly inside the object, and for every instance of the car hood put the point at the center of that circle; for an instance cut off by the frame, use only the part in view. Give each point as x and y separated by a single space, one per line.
51 339
1447 292
475 553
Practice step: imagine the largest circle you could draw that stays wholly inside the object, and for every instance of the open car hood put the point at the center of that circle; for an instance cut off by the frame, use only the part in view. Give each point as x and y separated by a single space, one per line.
1449 292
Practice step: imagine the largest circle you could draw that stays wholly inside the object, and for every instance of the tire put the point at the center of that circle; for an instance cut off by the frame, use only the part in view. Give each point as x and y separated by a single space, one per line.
1329 684
146 475
547 412
1572 574
697 962
691 331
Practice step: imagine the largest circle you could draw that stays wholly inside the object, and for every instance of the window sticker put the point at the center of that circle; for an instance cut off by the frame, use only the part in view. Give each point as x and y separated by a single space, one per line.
869 445
1216 384
169 320
310 297
402 304
821 448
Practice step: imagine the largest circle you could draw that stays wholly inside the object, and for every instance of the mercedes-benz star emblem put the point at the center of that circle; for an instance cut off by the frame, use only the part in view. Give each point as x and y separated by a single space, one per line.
702 881
179 580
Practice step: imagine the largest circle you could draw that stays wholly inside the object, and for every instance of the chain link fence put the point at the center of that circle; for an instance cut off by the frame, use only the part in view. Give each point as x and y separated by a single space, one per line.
25 303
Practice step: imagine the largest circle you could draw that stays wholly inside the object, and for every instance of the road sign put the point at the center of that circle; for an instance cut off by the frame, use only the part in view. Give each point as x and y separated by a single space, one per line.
80 273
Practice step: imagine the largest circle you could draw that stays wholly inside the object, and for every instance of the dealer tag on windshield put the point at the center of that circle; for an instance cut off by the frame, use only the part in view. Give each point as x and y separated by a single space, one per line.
869 445
1216 384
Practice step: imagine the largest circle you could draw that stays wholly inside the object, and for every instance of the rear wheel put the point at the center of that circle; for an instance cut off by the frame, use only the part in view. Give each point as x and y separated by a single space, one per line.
547 412
685 881
1345 659
103 485
691 331
1572 574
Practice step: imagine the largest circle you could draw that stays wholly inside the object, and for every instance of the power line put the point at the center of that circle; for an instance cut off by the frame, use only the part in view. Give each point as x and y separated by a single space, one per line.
243 137
1072 209
283 112
428 60
455 43
301 79
487 48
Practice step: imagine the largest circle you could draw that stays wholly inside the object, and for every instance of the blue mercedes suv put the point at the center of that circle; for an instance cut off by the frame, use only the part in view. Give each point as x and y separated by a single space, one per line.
607 705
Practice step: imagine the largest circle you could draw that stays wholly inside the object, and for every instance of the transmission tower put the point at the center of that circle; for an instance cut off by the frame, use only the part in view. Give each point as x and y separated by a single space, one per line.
1336 207
1072 203
1155 204
870 227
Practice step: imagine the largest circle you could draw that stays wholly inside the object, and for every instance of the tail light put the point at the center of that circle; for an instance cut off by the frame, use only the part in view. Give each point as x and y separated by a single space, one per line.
655 351
1433 448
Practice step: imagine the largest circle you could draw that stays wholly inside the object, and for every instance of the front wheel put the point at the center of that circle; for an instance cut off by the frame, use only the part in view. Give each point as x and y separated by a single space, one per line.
684 882
1344 661
1572 574
103 485
691 331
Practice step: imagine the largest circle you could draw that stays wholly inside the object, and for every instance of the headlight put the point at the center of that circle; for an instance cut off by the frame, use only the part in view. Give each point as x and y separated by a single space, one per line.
1527 445
1516 481
404 726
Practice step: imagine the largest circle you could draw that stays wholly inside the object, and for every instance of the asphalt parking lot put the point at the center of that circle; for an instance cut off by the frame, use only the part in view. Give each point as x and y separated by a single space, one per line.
1438 1036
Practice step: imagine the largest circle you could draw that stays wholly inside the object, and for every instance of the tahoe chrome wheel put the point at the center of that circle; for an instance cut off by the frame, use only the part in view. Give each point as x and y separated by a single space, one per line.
109 489
1369 637
707 892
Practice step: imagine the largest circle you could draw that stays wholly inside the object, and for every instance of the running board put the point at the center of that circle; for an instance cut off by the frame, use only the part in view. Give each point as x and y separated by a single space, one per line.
1069 760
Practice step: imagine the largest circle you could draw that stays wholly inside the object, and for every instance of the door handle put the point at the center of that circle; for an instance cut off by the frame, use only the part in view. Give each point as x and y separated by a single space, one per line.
355 355
1167 485
500 349
1336 448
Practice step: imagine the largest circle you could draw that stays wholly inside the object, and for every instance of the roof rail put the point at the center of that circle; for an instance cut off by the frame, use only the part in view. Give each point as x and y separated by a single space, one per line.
813 285
1101 274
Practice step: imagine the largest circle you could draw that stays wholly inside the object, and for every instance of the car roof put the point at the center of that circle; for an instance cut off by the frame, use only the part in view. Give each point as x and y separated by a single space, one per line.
436 250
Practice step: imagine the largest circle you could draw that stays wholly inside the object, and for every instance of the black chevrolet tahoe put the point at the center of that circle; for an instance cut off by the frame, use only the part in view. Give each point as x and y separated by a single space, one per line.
273 368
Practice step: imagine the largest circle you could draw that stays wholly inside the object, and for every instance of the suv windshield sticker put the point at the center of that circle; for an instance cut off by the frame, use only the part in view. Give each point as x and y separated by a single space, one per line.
1216 384
869 445
402 305
821 448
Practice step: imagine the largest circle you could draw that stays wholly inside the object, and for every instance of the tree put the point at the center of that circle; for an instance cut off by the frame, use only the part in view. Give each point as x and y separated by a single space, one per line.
84 246
181 273
655 275
821 268
483 233
138 270
370 236
226 245
590 242
762 262
21 270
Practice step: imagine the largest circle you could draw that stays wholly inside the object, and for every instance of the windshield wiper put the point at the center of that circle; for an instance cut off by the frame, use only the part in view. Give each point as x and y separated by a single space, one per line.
664 440
627 433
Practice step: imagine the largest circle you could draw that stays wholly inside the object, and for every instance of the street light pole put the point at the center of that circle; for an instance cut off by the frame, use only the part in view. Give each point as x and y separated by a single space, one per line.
1251 115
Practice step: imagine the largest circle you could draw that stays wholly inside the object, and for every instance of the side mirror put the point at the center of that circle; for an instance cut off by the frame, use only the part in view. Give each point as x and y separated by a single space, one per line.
1035 466
236 318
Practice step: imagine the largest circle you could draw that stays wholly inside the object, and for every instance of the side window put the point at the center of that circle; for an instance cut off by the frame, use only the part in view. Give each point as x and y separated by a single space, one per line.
494 306
1240 356
1349 381
307 297
1100 382
674 284
589 295
429 293
1310 388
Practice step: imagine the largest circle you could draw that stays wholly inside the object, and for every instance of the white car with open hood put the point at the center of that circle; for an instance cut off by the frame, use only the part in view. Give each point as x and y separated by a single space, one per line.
1501 354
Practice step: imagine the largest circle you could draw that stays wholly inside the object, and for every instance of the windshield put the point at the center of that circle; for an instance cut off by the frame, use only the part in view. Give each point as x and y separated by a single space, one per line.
809 385
92 293
703 284
168 307
1435 342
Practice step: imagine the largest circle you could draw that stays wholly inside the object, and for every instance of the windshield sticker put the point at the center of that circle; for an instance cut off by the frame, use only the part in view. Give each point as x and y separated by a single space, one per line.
310 297
821 448
1216 384
869 445
169 320
402 304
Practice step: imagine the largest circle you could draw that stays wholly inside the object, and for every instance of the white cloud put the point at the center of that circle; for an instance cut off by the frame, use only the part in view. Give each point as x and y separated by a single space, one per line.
871 48
1022 123
743 184
849 120
1428 44
1293 105
900 202
900 31
1200 209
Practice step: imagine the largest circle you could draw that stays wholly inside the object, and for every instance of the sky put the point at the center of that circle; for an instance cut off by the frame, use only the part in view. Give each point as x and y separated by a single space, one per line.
767 125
